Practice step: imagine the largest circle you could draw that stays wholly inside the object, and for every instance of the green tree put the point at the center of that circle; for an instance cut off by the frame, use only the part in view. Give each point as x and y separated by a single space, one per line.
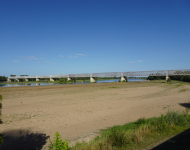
3 78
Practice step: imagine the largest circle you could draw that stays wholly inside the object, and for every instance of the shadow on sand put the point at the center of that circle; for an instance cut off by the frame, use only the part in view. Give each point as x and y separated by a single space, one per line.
23 140
178 142
186 105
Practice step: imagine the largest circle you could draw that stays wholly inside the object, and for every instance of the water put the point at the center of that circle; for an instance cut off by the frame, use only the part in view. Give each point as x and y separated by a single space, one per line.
116 80
86 82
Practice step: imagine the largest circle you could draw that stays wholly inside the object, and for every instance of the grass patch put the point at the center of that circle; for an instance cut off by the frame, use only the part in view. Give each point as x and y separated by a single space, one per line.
139 134
178 85
113 87
183 90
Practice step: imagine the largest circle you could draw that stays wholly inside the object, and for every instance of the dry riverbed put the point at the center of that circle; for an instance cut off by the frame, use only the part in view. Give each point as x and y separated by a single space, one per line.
77 112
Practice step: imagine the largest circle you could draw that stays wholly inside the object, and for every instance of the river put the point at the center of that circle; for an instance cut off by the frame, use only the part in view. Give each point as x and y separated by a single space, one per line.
86 82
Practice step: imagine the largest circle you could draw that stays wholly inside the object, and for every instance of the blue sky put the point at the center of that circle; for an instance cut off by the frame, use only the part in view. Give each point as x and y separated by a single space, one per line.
46 37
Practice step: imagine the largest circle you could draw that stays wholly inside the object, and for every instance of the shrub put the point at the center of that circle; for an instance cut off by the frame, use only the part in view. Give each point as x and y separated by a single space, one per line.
58 143
63 80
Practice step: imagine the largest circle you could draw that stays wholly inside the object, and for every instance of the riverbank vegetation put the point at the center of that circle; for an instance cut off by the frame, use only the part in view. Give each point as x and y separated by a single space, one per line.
3 78
185 78
156 78
25 82
181 78
137 135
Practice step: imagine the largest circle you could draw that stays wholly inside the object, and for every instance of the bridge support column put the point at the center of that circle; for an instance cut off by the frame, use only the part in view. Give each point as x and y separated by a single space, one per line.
167 77
68 78
51 80
37 79
124 79
8 80
92 79
17 80
26 80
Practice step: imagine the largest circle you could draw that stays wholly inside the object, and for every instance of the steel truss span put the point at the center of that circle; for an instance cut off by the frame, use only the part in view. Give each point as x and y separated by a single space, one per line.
113 74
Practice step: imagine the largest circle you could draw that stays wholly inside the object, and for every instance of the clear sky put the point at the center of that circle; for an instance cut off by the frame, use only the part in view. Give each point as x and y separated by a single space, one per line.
47 37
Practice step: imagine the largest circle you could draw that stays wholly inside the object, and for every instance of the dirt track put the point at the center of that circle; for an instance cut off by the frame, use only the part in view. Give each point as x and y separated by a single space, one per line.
80 110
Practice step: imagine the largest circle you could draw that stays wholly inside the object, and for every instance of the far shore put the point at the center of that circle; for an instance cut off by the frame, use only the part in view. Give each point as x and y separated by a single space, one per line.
25 82
20 82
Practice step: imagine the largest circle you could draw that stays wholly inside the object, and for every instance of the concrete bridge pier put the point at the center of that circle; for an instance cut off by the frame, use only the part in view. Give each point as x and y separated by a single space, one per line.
37 79
68 78
167 77
17 80
92 79
124 79
8 80
52 80
26 80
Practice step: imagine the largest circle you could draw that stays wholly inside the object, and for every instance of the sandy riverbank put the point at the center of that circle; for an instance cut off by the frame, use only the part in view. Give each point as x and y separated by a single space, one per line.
79 110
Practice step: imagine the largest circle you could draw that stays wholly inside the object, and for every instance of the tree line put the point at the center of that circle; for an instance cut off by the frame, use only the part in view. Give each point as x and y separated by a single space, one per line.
156 78
185 78
3 78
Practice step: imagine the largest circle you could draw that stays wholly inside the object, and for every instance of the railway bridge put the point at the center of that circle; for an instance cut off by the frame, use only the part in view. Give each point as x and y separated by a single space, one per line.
92 76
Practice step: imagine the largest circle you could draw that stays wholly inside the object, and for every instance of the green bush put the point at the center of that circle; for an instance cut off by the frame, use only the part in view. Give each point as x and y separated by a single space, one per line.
58 143
3 78
63 80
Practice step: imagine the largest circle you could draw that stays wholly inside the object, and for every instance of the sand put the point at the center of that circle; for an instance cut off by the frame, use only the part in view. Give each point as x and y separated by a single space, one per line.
78 112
